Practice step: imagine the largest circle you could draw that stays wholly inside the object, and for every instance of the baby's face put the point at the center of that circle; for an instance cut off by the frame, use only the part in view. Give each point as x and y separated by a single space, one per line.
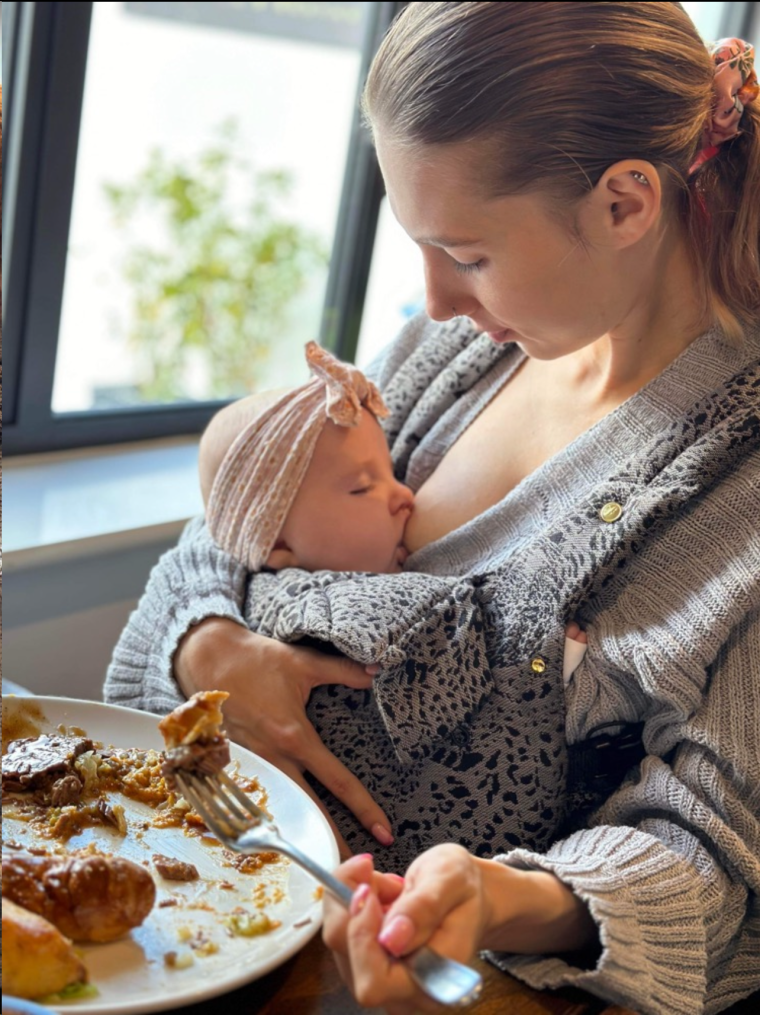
350 512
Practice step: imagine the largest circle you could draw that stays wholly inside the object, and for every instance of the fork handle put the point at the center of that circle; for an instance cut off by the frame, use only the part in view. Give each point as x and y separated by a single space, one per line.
341 892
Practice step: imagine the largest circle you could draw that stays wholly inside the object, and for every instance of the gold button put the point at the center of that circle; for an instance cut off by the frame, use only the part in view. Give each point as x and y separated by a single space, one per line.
611 512
538 665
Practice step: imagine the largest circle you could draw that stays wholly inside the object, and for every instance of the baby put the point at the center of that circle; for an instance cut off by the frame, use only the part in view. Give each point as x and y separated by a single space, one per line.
305 479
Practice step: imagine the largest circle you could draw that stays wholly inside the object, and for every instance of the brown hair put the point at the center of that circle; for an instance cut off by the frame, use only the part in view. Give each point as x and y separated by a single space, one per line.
561 91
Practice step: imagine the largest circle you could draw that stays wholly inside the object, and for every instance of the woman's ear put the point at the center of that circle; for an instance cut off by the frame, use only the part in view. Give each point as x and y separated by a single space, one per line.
281 556
626 202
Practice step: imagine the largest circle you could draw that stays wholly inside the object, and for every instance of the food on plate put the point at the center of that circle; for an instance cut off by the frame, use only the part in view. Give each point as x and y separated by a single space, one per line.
195 740
88 898
46 765
174 870
37 958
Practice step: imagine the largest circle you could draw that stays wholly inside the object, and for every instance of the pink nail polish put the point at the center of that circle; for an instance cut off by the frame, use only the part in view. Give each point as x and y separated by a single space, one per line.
364 856
398 878
359 900
382 835
397 935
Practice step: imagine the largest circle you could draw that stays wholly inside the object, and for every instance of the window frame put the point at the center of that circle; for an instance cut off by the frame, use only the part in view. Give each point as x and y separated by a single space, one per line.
47 46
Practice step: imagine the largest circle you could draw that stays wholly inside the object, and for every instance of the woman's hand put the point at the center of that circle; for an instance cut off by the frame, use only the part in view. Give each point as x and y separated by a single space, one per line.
269 684
453 902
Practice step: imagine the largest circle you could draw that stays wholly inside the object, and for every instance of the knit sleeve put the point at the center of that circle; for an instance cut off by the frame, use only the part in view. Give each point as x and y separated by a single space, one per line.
193 581
670 864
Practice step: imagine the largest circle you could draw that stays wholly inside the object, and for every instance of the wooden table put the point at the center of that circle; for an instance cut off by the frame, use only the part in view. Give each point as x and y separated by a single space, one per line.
309 985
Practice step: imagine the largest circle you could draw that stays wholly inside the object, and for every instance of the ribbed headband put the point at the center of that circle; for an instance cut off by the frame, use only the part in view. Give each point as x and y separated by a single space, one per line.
265 465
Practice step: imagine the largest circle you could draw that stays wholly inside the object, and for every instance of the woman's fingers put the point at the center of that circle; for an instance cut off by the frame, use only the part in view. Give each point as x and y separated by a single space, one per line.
441 899
378 980
340 670
344 786
574 632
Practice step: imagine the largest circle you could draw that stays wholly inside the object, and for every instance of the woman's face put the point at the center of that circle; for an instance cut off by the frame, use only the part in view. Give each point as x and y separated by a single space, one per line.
508 263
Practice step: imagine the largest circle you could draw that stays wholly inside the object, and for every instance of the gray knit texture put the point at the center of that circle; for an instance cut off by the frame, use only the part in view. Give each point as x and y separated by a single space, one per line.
670 864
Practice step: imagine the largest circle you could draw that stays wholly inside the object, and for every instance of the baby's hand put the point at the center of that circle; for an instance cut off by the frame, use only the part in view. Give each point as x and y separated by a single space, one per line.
574 633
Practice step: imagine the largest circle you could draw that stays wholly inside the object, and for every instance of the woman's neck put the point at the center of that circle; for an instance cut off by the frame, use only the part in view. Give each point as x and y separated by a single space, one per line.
662 321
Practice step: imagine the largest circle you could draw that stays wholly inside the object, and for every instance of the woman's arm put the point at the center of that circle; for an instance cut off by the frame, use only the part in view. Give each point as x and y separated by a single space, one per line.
190 583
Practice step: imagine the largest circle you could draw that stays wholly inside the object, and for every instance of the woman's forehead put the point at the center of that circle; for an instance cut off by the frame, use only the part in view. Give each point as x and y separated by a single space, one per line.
437 195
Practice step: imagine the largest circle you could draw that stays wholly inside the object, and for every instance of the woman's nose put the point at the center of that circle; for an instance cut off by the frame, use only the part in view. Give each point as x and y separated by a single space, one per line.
446 294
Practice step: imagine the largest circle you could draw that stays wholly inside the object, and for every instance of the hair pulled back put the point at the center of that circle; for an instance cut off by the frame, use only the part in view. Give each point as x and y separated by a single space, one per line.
561 91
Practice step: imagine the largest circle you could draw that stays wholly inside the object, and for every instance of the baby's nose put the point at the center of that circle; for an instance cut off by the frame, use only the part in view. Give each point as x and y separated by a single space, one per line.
402 499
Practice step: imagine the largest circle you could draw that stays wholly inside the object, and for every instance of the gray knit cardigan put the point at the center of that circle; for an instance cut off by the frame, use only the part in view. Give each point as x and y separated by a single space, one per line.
465 736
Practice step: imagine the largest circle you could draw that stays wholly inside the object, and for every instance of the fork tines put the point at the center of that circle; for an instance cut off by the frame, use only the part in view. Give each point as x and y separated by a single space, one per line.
220 802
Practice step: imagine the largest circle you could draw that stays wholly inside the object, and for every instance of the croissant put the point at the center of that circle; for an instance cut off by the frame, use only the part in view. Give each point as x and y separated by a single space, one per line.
88 898
37 958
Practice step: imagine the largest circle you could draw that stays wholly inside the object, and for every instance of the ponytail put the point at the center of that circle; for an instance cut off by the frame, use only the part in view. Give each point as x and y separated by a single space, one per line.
723 222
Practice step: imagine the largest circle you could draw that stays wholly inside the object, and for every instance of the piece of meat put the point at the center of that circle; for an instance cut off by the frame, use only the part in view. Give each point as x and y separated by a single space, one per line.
88 898
66 791
194 738
35 763
198 718
174 870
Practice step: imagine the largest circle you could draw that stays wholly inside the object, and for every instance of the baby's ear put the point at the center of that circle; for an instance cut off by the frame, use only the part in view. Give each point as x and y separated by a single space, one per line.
281 557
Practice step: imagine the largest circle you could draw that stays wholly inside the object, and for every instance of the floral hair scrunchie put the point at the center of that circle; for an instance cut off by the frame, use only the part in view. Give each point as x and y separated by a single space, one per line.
735 86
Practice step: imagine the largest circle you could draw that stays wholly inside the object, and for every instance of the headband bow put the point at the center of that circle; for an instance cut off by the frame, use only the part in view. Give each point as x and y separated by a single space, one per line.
265 465
735 86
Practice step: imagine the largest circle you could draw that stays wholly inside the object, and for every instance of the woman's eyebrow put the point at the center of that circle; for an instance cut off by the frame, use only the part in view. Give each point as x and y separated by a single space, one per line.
446 241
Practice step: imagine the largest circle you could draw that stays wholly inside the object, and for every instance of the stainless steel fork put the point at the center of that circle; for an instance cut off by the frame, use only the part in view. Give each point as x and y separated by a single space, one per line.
237 822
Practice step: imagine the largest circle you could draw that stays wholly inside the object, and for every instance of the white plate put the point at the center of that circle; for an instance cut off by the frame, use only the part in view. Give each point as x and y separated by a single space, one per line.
130 974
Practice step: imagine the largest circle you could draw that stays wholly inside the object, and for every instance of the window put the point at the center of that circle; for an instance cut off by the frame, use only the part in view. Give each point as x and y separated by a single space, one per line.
184 178
188 197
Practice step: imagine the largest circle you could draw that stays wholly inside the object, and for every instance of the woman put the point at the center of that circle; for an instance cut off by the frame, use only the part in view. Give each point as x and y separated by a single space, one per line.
581 432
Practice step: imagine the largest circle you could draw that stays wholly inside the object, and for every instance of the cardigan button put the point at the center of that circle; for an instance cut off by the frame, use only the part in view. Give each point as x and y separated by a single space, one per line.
611 512
538 665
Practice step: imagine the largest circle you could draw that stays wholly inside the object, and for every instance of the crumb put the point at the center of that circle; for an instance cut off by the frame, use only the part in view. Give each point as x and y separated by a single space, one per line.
302 923
227 886
175 961
319 893
205 948
166 903
242 924
174 870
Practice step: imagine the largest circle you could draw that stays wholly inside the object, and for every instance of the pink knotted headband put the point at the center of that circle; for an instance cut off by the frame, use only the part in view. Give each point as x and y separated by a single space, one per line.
265 465
735 86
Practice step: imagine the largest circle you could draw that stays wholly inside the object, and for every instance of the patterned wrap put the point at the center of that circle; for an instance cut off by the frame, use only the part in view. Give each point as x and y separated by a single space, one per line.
261 473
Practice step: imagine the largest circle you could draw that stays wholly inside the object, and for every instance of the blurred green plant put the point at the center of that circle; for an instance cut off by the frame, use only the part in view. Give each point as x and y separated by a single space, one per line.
212 287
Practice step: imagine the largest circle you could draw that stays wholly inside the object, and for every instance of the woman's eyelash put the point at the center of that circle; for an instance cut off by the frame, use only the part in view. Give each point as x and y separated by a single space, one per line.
465 269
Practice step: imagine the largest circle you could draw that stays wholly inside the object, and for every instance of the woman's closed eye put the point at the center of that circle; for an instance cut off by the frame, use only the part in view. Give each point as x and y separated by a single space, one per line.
471 266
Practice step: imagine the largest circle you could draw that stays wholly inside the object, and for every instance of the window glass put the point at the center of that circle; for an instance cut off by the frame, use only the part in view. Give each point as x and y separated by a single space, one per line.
209 172
707 17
